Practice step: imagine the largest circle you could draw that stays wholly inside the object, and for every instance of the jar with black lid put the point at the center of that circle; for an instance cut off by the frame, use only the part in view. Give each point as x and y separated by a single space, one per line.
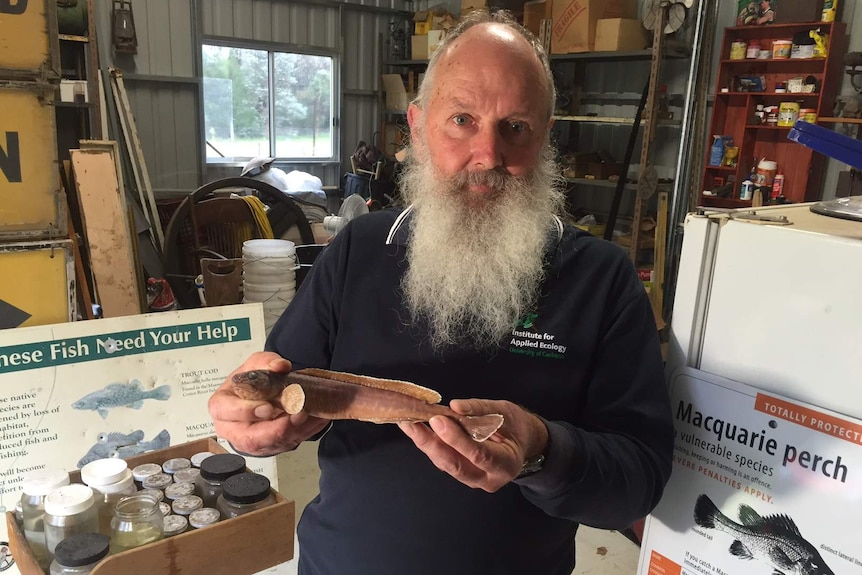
79 554
243 493
215 469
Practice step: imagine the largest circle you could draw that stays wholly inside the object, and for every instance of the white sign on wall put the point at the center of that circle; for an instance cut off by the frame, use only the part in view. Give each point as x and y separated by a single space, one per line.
74 392
761 484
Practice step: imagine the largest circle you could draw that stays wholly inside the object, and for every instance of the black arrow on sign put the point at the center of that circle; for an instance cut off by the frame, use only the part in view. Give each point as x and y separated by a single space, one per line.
11 316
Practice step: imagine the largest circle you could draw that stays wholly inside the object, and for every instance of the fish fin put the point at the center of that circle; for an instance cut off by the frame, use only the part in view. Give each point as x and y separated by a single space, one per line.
780 525
748 516
705 512
739 549
137 404
103 412
481 427
403 387
293 398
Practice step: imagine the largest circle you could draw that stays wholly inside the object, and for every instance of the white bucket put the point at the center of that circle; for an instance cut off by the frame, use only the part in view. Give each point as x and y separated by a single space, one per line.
269 264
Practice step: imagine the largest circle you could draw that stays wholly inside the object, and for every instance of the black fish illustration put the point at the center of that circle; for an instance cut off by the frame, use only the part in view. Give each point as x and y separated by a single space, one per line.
774 539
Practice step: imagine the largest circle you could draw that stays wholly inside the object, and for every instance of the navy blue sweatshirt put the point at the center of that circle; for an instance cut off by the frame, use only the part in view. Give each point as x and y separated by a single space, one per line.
588 362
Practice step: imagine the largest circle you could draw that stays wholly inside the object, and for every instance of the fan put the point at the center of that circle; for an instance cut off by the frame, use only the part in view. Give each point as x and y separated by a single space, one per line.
676 13
352 207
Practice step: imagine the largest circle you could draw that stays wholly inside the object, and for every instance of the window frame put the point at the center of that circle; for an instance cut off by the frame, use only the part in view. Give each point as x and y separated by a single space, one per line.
271 48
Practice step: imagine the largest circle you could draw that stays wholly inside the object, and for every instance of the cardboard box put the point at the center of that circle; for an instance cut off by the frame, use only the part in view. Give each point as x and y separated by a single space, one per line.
574 27
534 13
470 5
419 47
397 97
422 22
240 546
74 91
614 34
604 170
435 38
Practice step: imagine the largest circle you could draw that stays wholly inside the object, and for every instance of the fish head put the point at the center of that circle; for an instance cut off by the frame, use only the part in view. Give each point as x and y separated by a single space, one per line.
815 565
256 384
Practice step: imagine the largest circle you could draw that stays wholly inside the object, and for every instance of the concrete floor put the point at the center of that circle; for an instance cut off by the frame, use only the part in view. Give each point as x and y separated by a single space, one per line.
598 552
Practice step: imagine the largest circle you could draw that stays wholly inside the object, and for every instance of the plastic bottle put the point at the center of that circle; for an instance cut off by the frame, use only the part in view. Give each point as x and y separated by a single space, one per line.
829 9
37 486
777 185
716 151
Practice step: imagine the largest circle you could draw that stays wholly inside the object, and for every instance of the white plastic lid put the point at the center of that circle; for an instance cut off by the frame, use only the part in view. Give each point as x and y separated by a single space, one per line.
264 248
69 500
123 484
43 482
104 471
768 164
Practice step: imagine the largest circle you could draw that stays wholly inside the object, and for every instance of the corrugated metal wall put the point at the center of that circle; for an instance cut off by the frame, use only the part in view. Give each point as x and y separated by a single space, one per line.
164 90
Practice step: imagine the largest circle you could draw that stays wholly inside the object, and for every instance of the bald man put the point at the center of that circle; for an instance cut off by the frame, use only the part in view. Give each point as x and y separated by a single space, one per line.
477 289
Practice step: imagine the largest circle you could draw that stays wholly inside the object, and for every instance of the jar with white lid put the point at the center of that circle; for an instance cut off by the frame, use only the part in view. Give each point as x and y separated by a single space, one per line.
111 480
214 471
69 510
137 521
157 481
198 457
144 470
175 524
79 554
243 493
171 466
204 517
37 485
187 475
175 490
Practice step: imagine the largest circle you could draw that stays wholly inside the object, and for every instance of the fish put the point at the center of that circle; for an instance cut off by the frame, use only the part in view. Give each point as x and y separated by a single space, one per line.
337 395
160 441
774 539
106 442
113 395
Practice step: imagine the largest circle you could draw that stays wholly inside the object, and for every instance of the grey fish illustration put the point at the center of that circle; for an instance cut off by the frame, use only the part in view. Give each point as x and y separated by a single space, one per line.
160 441
106 442
336 395
773 539
113 395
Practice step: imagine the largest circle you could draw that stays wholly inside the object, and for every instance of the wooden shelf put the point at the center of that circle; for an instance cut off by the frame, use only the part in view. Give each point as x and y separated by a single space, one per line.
721 168
620 55
766 127
778 26
613 120
73 38
630 186
812 95
774 61
719 202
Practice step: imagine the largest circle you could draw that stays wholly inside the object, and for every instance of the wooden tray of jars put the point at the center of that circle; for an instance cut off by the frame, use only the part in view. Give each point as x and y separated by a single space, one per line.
240 546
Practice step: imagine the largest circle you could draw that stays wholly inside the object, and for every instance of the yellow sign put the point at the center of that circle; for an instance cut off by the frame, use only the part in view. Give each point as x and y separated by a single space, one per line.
40 281
24 38
31 204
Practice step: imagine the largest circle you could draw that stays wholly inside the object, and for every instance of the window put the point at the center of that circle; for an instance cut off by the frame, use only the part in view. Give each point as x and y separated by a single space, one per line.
260 102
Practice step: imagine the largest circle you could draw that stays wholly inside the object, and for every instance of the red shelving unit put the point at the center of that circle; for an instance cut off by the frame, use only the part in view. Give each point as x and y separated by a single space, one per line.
733 111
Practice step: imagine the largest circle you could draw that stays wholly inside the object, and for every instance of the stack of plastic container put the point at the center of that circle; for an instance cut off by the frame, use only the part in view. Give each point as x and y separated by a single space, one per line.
269 276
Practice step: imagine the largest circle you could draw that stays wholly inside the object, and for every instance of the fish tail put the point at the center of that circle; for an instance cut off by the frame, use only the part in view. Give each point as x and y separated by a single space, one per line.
481 427
163 392
293 398
705 512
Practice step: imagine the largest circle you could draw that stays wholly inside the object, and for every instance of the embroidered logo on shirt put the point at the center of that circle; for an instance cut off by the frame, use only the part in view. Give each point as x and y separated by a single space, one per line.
532 343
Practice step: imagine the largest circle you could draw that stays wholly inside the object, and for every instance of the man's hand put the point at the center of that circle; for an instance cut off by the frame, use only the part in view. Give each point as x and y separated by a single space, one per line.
488 465
259 428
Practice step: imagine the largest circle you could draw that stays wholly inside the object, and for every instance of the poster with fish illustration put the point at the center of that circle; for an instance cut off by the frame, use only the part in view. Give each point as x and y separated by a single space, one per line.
76 392
761 485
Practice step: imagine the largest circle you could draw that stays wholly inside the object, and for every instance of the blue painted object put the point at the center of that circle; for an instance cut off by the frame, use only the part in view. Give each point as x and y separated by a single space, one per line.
828 143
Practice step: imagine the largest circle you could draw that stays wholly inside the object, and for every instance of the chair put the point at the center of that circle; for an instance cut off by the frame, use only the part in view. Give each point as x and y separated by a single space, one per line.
204 225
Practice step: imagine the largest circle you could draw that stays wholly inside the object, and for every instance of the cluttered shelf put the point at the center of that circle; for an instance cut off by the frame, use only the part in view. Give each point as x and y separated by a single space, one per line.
619 55
629 186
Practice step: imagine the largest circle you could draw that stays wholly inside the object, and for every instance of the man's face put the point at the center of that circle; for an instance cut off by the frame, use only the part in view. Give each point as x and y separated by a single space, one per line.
487 112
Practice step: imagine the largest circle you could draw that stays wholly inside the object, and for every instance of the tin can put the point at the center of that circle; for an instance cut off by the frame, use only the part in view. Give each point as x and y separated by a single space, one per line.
788 112
737 50
808 115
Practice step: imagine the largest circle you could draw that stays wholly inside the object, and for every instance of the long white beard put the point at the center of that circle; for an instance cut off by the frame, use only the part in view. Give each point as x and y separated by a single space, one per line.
474 272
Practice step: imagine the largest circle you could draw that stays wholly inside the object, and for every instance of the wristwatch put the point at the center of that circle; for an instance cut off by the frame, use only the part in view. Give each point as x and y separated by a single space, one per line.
532 465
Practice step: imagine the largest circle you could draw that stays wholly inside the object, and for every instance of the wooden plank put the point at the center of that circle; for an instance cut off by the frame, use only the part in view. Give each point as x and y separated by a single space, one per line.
107 230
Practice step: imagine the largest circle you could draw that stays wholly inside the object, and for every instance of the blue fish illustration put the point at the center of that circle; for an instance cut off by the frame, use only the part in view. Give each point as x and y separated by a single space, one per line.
113 395
160 441
106 442
116 444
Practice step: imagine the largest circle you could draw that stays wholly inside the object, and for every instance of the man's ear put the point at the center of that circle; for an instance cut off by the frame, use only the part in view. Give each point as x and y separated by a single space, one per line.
414 117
